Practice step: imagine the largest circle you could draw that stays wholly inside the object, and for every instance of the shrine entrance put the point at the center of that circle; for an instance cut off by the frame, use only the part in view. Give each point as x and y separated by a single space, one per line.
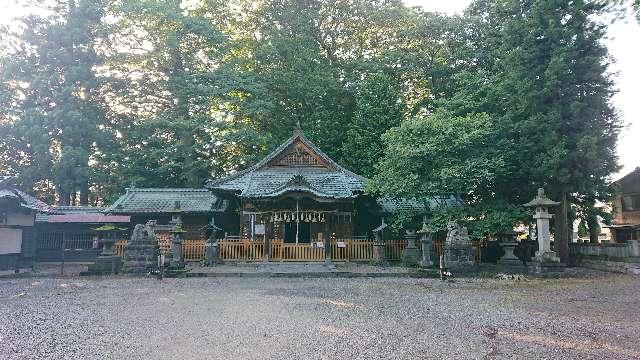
296 233
295 205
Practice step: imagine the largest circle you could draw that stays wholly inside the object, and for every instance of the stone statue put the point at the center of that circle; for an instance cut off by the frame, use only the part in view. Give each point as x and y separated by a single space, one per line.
456 234
142 250
457 251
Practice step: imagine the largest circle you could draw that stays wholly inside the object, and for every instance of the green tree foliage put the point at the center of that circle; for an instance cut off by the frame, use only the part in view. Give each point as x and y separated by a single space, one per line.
174 95
538 70
52 107
379 107
488 106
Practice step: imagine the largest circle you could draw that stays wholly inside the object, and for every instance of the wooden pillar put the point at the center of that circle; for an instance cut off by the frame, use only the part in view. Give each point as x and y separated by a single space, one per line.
266 246
327 239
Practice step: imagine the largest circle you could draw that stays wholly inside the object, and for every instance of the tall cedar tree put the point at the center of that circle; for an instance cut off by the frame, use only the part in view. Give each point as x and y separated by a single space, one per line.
52 109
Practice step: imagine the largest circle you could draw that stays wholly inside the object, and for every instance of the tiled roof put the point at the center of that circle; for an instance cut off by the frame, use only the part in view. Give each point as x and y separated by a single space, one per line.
89 218
158 200
69 210
260 180
8 191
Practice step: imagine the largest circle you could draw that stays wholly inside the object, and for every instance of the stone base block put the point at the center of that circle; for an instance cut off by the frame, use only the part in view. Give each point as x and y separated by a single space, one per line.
548 268
410 256
460 256
105 265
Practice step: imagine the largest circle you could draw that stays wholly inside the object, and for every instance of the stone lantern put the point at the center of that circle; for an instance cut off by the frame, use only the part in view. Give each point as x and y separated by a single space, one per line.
107 262
379 255
107 236
410 254
212 257
426 241
542 204
176 245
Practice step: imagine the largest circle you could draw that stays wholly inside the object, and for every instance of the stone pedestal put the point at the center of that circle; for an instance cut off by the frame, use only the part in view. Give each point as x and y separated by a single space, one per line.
547 268
459 257
141 252
427 245
107 246
379 257
509 258
410 254
105 265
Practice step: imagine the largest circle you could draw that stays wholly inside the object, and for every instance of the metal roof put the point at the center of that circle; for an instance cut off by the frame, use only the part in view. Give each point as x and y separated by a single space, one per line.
161 200
261 181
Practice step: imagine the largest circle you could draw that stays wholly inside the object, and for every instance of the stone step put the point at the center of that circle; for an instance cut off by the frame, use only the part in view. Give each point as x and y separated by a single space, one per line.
296 268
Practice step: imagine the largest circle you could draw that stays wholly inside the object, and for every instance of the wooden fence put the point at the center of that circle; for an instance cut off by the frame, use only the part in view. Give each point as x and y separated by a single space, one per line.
231 249
193 250
394 249
282 251
119 246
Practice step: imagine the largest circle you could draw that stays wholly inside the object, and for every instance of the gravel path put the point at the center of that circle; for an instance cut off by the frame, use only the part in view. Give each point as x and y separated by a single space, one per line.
238 318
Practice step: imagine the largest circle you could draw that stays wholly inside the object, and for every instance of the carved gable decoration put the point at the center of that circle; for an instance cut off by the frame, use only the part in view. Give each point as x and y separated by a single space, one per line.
298 155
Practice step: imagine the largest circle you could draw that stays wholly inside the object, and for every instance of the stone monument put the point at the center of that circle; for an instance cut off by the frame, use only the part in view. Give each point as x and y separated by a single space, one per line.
458 250
545 259
141 252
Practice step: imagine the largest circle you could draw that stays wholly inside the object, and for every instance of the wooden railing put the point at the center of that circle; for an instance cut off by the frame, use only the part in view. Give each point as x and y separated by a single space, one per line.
301 252
193 250
394 249
247 250
118 247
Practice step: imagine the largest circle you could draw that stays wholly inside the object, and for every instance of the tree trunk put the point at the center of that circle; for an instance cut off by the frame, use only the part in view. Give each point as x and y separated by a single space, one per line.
561 238
594 229
84 193
63 198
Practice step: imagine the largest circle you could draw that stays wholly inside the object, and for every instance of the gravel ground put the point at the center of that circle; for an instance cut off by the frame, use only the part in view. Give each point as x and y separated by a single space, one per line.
593 317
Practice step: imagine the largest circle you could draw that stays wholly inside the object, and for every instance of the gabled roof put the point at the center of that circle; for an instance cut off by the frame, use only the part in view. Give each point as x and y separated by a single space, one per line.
9 191
635 172
159 200
297 165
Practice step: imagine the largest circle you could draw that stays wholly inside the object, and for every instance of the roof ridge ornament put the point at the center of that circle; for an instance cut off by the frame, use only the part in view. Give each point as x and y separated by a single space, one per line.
297 130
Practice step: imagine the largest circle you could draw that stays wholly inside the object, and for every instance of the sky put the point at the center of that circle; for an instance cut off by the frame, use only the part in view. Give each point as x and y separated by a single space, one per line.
623 44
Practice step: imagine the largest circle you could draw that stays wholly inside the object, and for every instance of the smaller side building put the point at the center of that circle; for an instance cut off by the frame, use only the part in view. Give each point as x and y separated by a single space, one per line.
626 208
17 231
192 207
69 232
